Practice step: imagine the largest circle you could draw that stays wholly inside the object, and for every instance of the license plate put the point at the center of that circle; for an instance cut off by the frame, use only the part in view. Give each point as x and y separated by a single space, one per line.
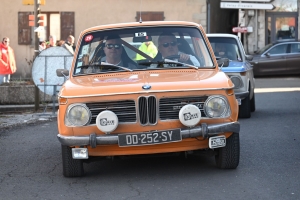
217 142
149 138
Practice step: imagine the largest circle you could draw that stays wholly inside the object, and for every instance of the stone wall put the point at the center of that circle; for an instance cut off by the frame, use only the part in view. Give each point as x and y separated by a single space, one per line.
23 94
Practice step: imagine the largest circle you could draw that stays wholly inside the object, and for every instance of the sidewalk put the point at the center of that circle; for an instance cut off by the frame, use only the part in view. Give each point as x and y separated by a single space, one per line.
18 115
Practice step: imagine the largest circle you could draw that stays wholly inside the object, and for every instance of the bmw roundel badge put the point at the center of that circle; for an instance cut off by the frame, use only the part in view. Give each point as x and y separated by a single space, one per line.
146 87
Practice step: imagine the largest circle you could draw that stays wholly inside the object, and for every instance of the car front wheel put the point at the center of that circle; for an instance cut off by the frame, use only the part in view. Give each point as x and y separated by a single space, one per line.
245 108
228 157
71 167
252 103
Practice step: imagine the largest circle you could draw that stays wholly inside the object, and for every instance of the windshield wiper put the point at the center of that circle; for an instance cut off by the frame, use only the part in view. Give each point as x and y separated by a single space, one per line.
184 64
167 61
105 64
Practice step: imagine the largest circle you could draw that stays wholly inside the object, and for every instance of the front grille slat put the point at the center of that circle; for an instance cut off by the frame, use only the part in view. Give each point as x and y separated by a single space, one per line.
152 109
143 110
125 110
169 107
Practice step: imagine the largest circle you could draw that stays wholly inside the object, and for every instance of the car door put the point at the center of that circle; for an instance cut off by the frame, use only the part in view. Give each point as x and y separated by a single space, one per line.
293 59
273 61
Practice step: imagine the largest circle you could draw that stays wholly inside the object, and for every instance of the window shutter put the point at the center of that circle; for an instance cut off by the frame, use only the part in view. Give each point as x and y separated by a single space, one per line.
67 23
24 30
150 16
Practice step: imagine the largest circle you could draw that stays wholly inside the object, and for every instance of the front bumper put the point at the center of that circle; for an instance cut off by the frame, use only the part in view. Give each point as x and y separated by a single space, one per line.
241 95
204 131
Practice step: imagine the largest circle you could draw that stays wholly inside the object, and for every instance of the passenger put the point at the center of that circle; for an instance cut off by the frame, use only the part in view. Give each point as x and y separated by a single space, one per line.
168 46
148 48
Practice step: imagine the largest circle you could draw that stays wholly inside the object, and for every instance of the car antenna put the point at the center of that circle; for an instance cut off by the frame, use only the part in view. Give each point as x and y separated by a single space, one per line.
140 12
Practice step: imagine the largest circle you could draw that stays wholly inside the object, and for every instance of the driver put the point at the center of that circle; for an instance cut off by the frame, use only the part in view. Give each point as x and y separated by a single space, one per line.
167 46
115 55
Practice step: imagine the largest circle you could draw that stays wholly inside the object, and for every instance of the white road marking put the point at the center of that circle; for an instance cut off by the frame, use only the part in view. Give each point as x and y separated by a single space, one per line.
264 90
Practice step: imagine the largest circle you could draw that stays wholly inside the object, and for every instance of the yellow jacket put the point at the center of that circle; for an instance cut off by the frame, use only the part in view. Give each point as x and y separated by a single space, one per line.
151 50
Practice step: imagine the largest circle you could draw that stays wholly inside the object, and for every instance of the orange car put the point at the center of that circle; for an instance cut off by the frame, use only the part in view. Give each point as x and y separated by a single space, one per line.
175 100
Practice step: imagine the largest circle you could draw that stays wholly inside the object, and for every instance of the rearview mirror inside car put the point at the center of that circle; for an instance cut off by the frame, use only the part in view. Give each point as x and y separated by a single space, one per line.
142 39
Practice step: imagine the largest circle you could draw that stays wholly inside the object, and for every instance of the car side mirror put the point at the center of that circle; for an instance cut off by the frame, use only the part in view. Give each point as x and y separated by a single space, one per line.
249 57
222 62
62 73
268 55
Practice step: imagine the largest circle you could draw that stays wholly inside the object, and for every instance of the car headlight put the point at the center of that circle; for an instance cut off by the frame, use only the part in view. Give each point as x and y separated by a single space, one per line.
237 81
216 106
78 115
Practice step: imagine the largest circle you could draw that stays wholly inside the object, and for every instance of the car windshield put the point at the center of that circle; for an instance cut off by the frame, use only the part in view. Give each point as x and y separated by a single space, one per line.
262 50
143 48
226 47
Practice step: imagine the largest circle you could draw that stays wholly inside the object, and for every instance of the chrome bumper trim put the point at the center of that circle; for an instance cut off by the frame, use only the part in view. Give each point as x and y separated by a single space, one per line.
241 95
204 131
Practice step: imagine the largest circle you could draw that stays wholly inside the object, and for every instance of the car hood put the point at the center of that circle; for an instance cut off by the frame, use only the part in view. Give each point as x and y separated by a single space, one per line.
235 66
133 82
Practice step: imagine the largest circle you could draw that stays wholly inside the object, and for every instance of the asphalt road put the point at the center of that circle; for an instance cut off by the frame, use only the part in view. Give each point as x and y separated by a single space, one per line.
269 164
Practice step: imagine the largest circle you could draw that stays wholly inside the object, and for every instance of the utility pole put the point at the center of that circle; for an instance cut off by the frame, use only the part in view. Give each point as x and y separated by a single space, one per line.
36 50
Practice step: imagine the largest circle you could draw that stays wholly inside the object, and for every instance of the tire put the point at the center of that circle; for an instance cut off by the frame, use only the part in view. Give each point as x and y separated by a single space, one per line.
252 103
244 108
228 157
71 167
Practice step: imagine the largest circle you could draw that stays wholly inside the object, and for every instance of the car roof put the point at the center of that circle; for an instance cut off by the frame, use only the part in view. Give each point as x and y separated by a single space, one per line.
221 35
285 41
138 24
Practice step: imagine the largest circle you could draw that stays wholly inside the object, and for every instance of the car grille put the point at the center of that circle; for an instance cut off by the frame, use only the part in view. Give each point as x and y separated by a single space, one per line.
169 107
147 108
125 110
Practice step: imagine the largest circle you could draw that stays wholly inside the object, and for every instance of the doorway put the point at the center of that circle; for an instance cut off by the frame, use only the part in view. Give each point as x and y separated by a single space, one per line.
281 26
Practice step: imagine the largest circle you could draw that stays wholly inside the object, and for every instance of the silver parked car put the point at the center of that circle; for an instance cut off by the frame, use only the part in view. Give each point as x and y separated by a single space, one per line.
239 70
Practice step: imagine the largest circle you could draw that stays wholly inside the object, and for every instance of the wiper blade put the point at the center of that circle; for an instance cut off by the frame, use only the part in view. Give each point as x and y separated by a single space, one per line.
184 64
105 64
167 61
108 64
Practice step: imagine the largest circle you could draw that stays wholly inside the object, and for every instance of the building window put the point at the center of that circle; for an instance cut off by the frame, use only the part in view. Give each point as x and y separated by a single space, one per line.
60 24
285 6
24 30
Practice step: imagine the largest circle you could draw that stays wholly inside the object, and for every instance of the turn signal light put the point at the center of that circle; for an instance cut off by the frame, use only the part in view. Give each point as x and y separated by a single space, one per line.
230 92
62 101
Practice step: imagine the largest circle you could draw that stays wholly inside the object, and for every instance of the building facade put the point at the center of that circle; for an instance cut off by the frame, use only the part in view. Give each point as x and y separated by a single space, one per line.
70 17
